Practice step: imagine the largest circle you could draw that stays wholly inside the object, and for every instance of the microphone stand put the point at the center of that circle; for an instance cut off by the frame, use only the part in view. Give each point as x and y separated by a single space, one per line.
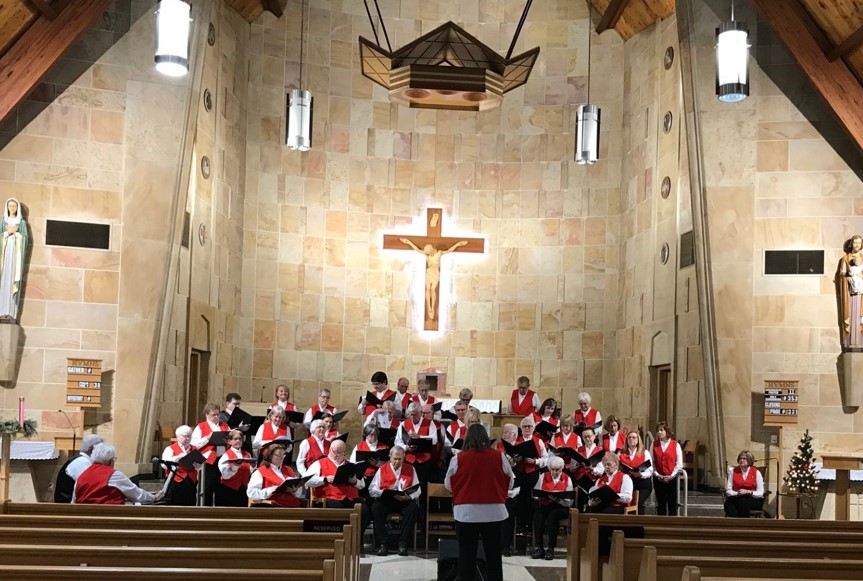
263 387
74 430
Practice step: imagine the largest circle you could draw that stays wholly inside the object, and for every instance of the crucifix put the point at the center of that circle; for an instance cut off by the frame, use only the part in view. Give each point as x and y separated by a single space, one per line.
433 246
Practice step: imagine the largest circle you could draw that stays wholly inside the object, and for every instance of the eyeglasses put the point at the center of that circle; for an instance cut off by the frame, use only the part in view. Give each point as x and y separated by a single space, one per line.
278 455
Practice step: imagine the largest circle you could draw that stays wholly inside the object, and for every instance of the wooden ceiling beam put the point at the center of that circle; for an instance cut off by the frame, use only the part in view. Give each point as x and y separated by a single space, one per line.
46 9
834 80
611 15
274 6
846 45
32 56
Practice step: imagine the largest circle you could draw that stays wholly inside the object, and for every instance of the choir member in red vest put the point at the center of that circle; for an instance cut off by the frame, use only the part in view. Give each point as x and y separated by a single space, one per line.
567 438
101 484
381 390
269 476
323 405
369 444
585 473
438 469
422 397
185 486
416 427
313 448
547 412
744 491
466 395
235 477
613 440
201 440
232 402
384 417
274 428
617 481
394 476
523 401
633 456
282 395
329 431
403 398
69 472
323 474
457 429
479 478
546 518
586 414
509 433
667 464
527 472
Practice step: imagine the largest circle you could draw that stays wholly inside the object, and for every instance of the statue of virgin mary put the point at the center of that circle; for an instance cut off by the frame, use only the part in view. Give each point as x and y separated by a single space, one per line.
13 250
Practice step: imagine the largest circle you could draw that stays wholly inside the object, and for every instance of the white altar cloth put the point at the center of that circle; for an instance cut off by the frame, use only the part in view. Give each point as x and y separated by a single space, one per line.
485 406
24 450
830 473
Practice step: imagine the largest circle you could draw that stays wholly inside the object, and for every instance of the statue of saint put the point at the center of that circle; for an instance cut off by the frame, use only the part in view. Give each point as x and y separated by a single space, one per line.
13 250
433 256
849 280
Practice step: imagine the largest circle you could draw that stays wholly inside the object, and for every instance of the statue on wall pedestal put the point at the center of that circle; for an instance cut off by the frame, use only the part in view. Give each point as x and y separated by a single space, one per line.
13 250
849 279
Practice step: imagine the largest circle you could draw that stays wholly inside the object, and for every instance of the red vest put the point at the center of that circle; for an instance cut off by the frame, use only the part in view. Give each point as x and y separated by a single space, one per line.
269 434
523 466
364 447
615 484
416 398
525 408
316 408
571 441
388 477
244 472
289 407
551 420
582 471
589 419
457 431
315 452
370 408
270 478
664 462
403 400
480 478
182 472
739 483
206 430
335 491
92 487
424 431
618 444
549 485
632 461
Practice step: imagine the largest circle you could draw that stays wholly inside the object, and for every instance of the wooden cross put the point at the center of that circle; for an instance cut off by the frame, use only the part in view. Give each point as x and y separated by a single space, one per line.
434 246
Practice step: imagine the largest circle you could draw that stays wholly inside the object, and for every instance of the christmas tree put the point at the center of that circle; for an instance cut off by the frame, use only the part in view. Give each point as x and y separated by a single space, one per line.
801 476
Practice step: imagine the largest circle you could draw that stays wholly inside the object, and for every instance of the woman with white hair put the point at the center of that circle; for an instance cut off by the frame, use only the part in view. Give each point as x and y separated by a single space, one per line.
587 415
183 490
101 484
549 510
313 448
274 428
71 470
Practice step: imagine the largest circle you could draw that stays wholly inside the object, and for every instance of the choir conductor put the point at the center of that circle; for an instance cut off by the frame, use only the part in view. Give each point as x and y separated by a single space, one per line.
479 478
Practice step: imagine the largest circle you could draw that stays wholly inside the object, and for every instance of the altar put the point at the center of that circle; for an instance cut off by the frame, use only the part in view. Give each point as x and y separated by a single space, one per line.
29 470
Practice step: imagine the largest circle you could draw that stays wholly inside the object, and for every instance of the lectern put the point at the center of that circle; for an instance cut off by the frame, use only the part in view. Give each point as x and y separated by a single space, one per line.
843 464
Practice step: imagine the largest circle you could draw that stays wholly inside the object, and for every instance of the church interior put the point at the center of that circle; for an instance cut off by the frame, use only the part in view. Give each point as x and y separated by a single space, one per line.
689 273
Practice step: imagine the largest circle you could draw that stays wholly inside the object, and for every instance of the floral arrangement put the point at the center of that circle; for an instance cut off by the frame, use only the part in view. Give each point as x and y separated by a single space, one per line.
12 428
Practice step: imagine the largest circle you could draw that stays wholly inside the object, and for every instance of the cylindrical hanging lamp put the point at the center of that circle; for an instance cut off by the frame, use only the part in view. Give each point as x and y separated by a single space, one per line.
173 24
587 134
299 134
732 61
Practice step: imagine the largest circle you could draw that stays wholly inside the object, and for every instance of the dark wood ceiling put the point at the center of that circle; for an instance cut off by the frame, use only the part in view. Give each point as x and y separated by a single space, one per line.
629 17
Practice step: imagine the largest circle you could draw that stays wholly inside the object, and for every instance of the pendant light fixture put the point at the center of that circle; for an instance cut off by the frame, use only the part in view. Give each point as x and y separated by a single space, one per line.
588 118
299 131
732 60
172 37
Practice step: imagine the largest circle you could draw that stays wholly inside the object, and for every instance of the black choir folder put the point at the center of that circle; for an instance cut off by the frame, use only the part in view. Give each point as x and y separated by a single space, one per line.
605 494
545 429
372 399
387 436
292 483
294 417
342 437
336 417
526 449
393 492
219 438
286 442
635 469
554 494
581 426
420 445
239 461
189 460
382 454
591 460
344 473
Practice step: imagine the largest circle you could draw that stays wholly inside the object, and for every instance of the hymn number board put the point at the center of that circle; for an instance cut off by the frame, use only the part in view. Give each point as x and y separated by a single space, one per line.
84 382
780 402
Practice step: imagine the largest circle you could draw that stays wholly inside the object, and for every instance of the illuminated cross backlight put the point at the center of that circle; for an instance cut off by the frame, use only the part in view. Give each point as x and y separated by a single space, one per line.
434 247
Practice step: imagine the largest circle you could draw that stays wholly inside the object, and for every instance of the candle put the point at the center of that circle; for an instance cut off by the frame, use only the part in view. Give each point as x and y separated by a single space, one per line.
21 411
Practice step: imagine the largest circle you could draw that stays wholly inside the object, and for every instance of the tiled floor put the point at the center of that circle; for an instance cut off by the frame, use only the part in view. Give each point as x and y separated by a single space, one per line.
416 568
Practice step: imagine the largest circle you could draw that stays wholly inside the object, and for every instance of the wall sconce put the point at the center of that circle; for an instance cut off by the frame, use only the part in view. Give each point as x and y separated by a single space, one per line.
732 60
298 135
173 24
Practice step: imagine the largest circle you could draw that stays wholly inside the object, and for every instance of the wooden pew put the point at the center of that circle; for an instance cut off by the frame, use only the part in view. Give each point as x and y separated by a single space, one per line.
625 558
692 573
662 568
583 562
131 523
25 572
